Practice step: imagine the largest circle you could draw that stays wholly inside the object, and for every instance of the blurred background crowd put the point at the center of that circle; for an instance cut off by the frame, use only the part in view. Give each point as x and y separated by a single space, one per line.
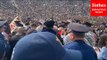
44 9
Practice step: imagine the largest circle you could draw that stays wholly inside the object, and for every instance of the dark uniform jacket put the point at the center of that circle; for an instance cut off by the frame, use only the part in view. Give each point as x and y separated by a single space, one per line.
2 46
87 51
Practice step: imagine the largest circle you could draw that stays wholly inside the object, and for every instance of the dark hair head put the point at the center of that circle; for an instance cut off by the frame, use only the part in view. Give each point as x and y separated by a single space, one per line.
34 25
87 24
18 23
49 23
27 23
103 40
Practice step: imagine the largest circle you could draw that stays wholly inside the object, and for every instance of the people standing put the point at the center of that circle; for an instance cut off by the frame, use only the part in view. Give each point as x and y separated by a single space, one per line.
103 45
77 35
42 46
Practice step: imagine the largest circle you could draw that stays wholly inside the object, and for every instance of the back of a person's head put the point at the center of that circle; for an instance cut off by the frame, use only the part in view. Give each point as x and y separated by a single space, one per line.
103 40
21 30
18 23
34 25
88 24
49 23
27 23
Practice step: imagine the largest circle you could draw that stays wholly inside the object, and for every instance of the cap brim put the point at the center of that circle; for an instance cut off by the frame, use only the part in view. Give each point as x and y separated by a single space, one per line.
72 55
78 27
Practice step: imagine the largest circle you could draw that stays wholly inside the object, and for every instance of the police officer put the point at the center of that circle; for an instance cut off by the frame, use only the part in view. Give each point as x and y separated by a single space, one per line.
77 36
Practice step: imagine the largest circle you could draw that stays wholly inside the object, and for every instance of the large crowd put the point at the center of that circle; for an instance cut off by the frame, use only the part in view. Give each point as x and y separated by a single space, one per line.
53 40
59 9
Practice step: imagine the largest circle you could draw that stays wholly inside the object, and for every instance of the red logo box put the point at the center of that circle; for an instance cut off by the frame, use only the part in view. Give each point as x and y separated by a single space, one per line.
98 8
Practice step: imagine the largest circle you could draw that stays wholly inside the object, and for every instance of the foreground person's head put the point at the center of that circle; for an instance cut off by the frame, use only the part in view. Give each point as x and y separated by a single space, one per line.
40 46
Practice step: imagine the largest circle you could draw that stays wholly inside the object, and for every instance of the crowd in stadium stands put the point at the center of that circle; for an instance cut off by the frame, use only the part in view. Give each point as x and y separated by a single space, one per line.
53 40
44 8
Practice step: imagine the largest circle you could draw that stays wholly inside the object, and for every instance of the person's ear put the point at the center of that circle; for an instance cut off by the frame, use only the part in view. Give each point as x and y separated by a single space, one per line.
72 37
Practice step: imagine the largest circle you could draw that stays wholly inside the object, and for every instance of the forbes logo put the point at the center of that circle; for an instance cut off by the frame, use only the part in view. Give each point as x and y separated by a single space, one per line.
98 8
